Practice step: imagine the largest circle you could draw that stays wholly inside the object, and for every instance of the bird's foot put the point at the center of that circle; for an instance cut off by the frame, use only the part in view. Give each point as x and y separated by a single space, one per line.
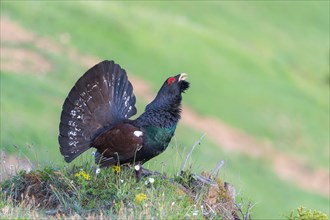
142 172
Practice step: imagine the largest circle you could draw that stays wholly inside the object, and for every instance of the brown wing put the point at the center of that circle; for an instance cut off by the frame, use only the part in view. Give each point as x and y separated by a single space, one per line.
118 145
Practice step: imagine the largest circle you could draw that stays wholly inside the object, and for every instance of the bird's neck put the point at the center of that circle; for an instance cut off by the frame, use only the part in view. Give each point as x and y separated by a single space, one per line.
158 117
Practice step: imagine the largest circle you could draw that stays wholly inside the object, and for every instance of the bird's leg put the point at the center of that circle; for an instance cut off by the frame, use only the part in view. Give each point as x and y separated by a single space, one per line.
142 172
138 173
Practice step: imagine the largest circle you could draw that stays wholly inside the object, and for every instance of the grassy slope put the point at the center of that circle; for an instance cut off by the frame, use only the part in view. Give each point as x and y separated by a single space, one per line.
260 72
245 55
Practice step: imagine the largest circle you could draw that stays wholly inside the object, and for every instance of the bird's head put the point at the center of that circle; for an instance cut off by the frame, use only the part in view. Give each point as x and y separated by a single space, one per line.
175 85
169 95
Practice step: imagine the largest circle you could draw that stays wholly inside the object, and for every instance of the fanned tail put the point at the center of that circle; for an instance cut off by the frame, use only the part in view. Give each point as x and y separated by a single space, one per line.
102 96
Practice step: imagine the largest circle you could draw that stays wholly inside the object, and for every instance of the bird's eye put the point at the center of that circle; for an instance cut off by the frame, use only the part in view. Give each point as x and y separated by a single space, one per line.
170 80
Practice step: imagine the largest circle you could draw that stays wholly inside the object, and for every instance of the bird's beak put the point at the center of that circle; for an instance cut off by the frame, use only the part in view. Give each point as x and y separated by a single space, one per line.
184 85
183 76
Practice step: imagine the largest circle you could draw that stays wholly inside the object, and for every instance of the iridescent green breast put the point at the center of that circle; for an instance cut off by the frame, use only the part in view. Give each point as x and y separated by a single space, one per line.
158 138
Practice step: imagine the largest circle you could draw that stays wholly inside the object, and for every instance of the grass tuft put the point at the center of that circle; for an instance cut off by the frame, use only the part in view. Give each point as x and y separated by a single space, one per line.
304 213
112 192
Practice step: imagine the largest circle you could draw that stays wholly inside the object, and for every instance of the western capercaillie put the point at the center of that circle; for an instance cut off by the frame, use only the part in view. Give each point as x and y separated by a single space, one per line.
97 110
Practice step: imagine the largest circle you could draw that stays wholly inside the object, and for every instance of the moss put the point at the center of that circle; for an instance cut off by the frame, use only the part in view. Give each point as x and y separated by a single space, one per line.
303 213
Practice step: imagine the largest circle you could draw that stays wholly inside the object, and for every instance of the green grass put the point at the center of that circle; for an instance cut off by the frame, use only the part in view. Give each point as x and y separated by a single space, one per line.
254 179
261 67
304 213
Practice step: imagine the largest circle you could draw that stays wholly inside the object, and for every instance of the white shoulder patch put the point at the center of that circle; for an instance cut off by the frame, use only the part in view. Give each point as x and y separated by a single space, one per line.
138 133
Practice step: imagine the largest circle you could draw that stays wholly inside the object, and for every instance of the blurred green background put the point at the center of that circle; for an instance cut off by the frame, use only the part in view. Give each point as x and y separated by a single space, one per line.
260 66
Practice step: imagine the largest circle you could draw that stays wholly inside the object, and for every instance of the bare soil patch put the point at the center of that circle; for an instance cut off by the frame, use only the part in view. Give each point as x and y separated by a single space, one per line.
14 57
17 60
232 139
11 164
13 32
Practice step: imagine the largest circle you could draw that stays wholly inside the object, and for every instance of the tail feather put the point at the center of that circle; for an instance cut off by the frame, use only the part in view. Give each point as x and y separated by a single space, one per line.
102 96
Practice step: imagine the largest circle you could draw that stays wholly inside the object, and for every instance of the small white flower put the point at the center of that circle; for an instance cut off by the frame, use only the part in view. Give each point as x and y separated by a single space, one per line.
98 170
121 180
173 203
151 180
137 167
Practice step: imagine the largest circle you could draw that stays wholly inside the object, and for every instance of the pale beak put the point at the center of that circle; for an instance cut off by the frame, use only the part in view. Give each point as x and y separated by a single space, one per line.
183 76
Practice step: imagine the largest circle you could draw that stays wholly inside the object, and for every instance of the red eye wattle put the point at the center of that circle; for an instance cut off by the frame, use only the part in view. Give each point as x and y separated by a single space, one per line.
170 80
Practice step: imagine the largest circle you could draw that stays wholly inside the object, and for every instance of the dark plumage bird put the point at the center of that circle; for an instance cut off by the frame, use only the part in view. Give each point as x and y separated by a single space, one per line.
97 110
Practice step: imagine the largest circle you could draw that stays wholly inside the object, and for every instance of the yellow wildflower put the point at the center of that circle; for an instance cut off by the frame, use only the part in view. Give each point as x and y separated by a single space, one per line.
83 174
116 168
140 197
